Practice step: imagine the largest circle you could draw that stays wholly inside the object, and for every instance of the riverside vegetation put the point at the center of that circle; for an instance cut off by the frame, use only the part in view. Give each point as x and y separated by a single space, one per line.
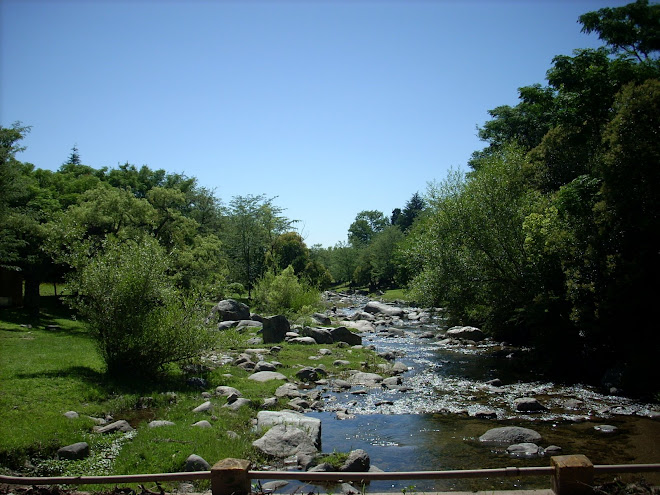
548 242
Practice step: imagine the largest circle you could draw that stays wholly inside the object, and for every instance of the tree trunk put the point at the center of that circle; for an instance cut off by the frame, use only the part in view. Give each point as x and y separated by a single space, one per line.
31 297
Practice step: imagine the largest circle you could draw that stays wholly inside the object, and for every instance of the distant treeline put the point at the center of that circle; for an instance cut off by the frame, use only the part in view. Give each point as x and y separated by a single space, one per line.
551 239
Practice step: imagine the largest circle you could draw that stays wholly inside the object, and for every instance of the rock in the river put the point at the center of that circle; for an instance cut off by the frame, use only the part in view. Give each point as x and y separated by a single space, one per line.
367 379
523 449
508 435
284 440
196 463
271 486
465 333
311 426
528 405
275 329
606 428
358 461
74 452
382 308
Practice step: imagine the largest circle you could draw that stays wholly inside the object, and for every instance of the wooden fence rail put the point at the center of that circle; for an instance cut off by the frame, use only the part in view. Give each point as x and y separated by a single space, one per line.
570 475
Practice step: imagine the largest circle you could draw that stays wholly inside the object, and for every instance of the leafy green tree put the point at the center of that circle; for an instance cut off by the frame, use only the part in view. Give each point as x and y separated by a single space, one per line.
253 223
342 261
632 30
140 320
366 225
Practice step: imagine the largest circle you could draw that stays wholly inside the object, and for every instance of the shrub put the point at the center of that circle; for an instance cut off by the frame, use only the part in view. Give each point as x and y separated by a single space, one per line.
285 294
141 321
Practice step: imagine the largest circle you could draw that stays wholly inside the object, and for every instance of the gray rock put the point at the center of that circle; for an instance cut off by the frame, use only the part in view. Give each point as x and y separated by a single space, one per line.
196 463
71 414
552 450
367 379
203 407
229 309
320 335
74 452
606 428
117 426
341 362
391 382
343 334
508 435
348 489
465 333
312 426
523 449
237 404
528 405
224 390
308 374
271 486
284 440
358 461
573 404
265 376
323 467
375 307
159 422
288 390
247 324
303 340
322 319
274 329
264 366
203 424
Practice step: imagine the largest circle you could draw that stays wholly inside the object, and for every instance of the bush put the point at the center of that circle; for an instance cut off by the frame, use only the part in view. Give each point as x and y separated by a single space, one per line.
285 294
141 321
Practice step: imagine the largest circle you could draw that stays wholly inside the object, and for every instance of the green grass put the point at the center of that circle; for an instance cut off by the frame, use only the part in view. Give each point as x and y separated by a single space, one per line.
45 372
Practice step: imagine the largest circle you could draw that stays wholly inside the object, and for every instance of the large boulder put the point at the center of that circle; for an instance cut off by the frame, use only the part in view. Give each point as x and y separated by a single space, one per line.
376 307
311 426
74 452
196 463
266 376
509 435
284 440
343 334
231 310
320 335
358 461
465 333
275 329
366 379
528 405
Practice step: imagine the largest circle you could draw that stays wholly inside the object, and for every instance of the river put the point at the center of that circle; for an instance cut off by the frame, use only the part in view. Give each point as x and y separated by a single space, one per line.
434 423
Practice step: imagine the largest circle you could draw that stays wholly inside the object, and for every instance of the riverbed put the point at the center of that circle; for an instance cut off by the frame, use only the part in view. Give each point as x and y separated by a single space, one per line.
435 420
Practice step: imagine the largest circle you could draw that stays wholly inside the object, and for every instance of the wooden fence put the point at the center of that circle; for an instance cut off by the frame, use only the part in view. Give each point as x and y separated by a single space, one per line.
570 475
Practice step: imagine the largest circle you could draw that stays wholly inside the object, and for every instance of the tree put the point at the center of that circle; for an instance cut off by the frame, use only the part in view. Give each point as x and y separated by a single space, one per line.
141 321
367 224
253 222
632 30
414 206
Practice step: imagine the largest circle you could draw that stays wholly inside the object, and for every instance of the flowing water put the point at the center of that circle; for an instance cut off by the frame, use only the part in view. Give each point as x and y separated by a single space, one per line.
434 423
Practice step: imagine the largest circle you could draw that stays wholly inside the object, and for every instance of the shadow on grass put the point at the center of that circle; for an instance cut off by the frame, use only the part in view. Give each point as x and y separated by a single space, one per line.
51 310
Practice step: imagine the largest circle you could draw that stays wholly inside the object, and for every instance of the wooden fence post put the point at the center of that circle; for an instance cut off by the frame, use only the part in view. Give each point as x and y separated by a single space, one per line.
573 475
230 477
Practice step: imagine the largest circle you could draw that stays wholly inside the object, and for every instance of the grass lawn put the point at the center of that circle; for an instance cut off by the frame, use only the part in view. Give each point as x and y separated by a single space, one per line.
50 365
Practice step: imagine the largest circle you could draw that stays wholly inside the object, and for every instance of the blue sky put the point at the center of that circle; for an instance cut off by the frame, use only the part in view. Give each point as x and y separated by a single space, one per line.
332 107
